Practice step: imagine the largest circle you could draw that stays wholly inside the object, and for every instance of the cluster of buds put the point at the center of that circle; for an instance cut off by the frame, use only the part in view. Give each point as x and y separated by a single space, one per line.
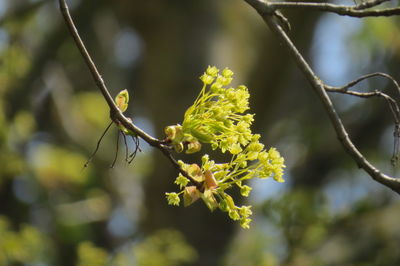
217 118
181 141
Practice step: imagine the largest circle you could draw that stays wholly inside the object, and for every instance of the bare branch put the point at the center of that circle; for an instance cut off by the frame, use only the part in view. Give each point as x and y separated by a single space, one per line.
358 11
319 87
376 74
392 103
115 114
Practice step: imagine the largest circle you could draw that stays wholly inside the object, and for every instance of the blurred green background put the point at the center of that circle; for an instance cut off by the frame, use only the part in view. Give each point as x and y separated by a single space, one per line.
54 212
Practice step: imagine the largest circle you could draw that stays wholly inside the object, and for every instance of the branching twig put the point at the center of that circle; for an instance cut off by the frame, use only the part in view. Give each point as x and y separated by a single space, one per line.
358 11
319 87
137 148
376 74
115 114
393 105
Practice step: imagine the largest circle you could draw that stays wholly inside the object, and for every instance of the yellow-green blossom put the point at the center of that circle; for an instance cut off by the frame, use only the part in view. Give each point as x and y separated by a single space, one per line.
173 198
218 118
245 191
181 181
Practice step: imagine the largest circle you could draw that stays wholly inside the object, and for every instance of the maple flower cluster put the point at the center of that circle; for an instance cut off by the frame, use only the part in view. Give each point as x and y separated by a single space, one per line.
217 118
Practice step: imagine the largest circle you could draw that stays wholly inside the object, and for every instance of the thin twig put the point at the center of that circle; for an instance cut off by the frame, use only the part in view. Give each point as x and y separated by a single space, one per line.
126 147
97 146
85 54
358 80
358 11
319 88
137 148
394 107
116 152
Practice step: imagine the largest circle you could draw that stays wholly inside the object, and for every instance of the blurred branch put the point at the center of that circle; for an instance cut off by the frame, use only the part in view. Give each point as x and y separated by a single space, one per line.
358 11
115 114
267 12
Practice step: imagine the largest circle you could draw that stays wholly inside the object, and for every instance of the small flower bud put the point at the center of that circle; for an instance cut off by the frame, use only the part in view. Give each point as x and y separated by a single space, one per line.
207 79
245 211
234 215
173 198
227 73
245 223
245 190
170 132
205 158
223 206
215 87
179 147
181 181
174 133
212 71
193 147
235 149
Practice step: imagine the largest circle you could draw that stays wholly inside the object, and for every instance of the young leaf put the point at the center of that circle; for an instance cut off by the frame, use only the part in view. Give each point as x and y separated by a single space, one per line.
122 100
209 200
190 195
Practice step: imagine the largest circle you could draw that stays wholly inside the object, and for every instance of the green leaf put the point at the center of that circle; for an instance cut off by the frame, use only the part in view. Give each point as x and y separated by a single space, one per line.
190 195
122 100
209 199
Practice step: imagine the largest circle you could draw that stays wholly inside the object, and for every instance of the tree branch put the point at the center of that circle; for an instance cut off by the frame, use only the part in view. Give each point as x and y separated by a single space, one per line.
392 103
376 74
115 114
358 11
319 87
